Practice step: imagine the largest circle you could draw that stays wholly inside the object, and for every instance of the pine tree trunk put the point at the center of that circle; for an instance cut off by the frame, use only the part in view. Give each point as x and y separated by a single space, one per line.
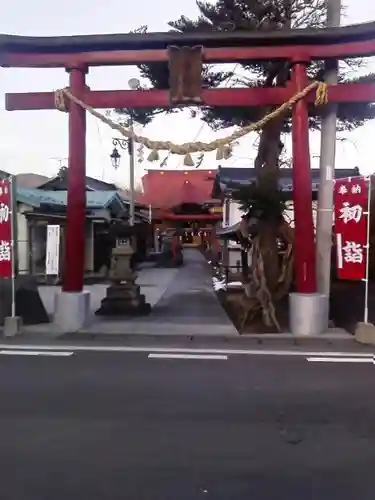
267 171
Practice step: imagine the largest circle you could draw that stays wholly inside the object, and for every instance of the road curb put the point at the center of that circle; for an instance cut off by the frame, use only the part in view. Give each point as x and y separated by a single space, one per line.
264 340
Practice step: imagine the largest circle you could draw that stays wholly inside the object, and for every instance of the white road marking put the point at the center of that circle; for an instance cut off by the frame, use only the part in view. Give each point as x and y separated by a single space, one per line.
177 350
326 359
187 356
10 352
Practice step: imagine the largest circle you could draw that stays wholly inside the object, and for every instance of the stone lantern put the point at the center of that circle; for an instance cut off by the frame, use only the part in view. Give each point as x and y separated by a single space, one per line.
123 296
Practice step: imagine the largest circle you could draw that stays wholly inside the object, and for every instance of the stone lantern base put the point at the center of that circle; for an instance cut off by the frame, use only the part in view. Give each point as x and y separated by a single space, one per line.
123 296
124 299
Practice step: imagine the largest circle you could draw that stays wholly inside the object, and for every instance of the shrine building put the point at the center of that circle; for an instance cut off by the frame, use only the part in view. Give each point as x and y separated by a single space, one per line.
181 200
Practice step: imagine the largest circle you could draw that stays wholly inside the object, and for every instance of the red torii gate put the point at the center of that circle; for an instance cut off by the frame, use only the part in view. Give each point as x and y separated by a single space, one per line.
77 53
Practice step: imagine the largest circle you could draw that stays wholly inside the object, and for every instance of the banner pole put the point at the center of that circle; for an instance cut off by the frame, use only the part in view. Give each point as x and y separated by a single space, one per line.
13 260
365 316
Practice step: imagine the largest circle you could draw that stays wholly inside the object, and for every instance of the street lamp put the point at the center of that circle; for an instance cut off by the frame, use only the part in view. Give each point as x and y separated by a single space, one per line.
115 155
115 158
134 84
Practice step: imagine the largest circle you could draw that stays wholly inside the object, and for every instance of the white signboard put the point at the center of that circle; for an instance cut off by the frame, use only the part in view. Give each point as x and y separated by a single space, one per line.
53 250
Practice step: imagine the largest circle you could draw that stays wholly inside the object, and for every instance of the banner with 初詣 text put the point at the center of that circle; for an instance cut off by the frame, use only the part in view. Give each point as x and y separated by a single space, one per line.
351 197
5 229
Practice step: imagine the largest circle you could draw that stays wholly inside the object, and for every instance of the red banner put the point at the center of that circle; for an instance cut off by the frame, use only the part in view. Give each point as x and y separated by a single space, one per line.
351 227
5 230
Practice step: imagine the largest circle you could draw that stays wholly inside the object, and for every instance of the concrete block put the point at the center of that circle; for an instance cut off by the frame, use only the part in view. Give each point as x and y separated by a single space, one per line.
71 310
365 333
12 326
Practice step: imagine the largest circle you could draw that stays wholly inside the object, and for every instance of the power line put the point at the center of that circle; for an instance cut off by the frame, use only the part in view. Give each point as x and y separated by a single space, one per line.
101 146
62 161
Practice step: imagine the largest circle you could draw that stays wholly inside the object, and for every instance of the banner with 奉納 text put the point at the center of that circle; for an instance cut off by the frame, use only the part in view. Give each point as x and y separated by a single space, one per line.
5 229
351 197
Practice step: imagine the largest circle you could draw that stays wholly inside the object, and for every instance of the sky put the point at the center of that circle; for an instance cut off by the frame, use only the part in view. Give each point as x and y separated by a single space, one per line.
36 141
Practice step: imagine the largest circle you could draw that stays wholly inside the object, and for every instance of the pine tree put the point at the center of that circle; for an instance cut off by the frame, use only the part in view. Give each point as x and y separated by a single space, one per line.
63 172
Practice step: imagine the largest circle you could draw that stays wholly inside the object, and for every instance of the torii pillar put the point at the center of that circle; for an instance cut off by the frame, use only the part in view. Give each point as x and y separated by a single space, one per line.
308 309
72 303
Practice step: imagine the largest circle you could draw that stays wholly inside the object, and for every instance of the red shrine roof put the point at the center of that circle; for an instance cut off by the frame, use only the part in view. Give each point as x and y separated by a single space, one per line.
171 188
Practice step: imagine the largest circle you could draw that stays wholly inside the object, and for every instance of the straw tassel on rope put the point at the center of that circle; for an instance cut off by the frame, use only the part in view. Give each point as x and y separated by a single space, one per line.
188 160
153 156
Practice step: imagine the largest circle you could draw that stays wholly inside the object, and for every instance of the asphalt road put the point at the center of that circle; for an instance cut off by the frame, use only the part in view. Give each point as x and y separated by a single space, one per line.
124 426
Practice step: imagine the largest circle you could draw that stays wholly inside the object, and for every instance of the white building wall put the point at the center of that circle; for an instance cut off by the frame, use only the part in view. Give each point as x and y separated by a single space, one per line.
24 245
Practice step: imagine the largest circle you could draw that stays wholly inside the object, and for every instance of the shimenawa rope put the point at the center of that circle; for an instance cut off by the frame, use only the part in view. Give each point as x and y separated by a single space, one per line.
222 146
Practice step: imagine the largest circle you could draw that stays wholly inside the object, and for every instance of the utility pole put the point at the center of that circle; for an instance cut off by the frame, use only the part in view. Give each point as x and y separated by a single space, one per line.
134 84
327 166
132 173
61 161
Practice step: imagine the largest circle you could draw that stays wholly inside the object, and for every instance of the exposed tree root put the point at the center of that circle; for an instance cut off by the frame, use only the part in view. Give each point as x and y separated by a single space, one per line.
258 297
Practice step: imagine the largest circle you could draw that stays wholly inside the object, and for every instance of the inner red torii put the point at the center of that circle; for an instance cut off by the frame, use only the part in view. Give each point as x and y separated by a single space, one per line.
77 53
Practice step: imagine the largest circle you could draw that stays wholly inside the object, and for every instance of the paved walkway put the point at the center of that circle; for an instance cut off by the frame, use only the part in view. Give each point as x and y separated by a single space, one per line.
187 306
182 300
154 282
190 298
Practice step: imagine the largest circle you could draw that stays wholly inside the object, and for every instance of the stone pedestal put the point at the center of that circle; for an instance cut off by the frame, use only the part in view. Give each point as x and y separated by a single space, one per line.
124 296
365 333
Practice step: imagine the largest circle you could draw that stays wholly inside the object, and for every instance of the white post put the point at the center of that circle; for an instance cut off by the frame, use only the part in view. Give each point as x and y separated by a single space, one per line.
365 319
12 323
327 166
